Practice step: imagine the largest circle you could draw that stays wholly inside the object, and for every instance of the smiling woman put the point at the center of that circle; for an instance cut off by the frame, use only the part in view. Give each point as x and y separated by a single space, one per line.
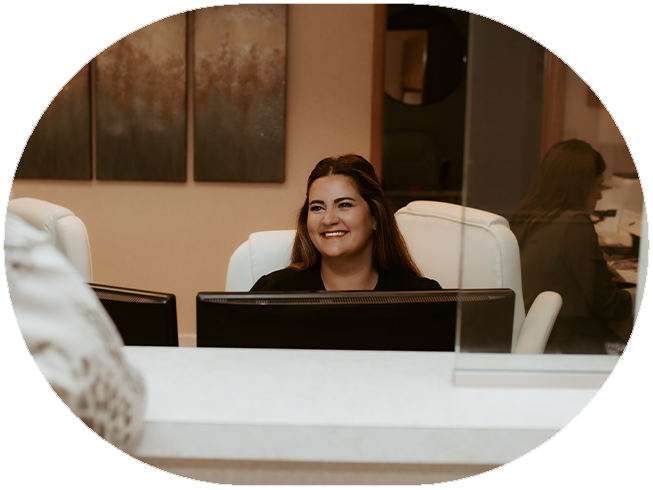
341 226
347 237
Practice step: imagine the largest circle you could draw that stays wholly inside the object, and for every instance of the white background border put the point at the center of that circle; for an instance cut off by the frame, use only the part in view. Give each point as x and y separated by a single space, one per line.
43 44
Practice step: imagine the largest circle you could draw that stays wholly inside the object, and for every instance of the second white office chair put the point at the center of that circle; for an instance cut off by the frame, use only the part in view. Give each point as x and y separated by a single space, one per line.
480 252
433 230
65 230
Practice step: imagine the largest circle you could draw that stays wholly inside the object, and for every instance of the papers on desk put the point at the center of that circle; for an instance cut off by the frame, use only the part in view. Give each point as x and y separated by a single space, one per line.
624 196
618 231
631 222
613 238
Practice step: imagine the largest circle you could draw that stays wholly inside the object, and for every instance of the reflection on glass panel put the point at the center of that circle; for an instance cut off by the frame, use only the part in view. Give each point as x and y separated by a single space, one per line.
562 227
560 250
424 106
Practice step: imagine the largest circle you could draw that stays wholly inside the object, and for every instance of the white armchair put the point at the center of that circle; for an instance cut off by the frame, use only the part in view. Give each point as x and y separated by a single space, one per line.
65 230
481 252
264 252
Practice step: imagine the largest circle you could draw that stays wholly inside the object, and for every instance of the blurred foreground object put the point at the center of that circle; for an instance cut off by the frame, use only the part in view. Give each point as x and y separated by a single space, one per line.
73 340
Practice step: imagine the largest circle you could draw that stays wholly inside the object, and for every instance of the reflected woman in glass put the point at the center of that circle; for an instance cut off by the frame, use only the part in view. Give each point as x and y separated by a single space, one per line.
347 237
560 249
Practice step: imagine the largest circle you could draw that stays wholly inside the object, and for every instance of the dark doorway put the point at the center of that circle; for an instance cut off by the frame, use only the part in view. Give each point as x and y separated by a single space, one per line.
424 122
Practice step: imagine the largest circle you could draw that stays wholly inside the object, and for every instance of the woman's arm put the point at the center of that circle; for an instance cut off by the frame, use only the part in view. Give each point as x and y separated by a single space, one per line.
591 272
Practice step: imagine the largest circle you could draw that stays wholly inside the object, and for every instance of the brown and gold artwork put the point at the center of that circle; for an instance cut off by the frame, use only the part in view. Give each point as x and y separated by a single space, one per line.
60 146
240 93
141 104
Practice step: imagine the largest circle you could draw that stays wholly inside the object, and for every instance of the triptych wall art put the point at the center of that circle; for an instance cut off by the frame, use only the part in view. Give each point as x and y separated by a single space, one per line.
225 66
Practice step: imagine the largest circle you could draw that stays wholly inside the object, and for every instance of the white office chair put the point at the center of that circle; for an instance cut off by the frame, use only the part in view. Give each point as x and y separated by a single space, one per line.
66 231
264 252
467 248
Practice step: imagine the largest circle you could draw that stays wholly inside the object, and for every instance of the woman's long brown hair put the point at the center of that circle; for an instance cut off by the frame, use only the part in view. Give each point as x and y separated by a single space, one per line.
389 250
563 181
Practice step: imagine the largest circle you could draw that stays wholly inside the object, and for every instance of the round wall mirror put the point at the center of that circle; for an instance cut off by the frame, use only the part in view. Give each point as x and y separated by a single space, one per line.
426 56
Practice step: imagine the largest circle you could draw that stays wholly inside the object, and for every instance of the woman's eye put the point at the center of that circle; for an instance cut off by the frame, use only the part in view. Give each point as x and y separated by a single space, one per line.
315 208
345 205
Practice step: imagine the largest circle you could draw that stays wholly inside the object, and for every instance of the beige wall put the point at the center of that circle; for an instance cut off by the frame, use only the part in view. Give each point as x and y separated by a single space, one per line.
594 125
178 238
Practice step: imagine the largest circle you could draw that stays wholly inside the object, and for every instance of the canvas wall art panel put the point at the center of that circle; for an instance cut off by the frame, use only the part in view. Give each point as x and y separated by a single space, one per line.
60 145
240 93
141 104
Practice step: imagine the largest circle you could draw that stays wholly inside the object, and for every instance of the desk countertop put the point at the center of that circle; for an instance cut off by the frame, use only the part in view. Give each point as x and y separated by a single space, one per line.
337 406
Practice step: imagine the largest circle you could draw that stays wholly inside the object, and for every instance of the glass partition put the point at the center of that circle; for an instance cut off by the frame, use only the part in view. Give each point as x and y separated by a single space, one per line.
550 217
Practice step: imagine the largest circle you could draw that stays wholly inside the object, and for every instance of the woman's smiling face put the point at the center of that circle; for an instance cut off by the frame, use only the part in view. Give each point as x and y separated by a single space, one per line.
339 221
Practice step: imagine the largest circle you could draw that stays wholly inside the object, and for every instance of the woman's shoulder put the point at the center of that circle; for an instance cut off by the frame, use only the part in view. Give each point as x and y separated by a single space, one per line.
289 279
563 224
577 224
402 280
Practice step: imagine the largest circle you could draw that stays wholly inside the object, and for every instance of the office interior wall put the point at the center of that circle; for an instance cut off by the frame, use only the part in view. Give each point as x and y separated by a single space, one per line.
590 121
178 237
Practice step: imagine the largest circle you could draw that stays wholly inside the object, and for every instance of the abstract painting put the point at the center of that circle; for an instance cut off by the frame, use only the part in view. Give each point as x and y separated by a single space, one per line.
240 93
60 146
141 104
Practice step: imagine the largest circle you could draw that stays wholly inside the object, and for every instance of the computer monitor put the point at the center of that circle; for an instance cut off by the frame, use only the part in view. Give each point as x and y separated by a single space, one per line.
405 321
142 317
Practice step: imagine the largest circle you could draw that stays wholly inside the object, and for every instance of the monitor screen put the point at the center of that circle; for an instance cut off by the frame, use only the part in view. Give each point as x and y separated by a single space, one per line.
364 320
142 317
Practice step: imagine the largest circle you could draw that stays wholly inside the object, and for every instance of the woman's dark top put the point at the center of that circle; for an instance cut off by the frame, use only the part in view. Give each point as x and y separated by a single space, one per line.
562 254
310 280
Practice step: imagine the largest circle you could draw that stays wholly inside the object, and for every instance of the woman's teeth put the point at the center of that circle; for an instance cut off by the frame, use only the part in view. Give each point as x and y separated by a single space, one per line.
335 233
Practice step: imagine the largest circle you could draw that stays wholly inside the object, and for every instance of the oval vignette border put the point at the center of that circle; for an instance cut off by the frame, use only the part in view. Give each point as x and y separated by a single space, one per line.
25 386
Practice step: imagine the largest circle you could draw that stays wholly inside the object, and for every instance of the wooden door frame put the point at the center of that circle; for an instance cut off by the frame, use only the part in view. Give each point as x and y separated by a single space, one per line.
380 16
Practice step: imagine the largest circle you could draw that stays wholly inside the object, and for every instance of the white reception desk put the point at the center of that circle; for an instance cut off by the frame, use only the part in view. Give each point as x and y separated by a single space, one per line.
308 416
